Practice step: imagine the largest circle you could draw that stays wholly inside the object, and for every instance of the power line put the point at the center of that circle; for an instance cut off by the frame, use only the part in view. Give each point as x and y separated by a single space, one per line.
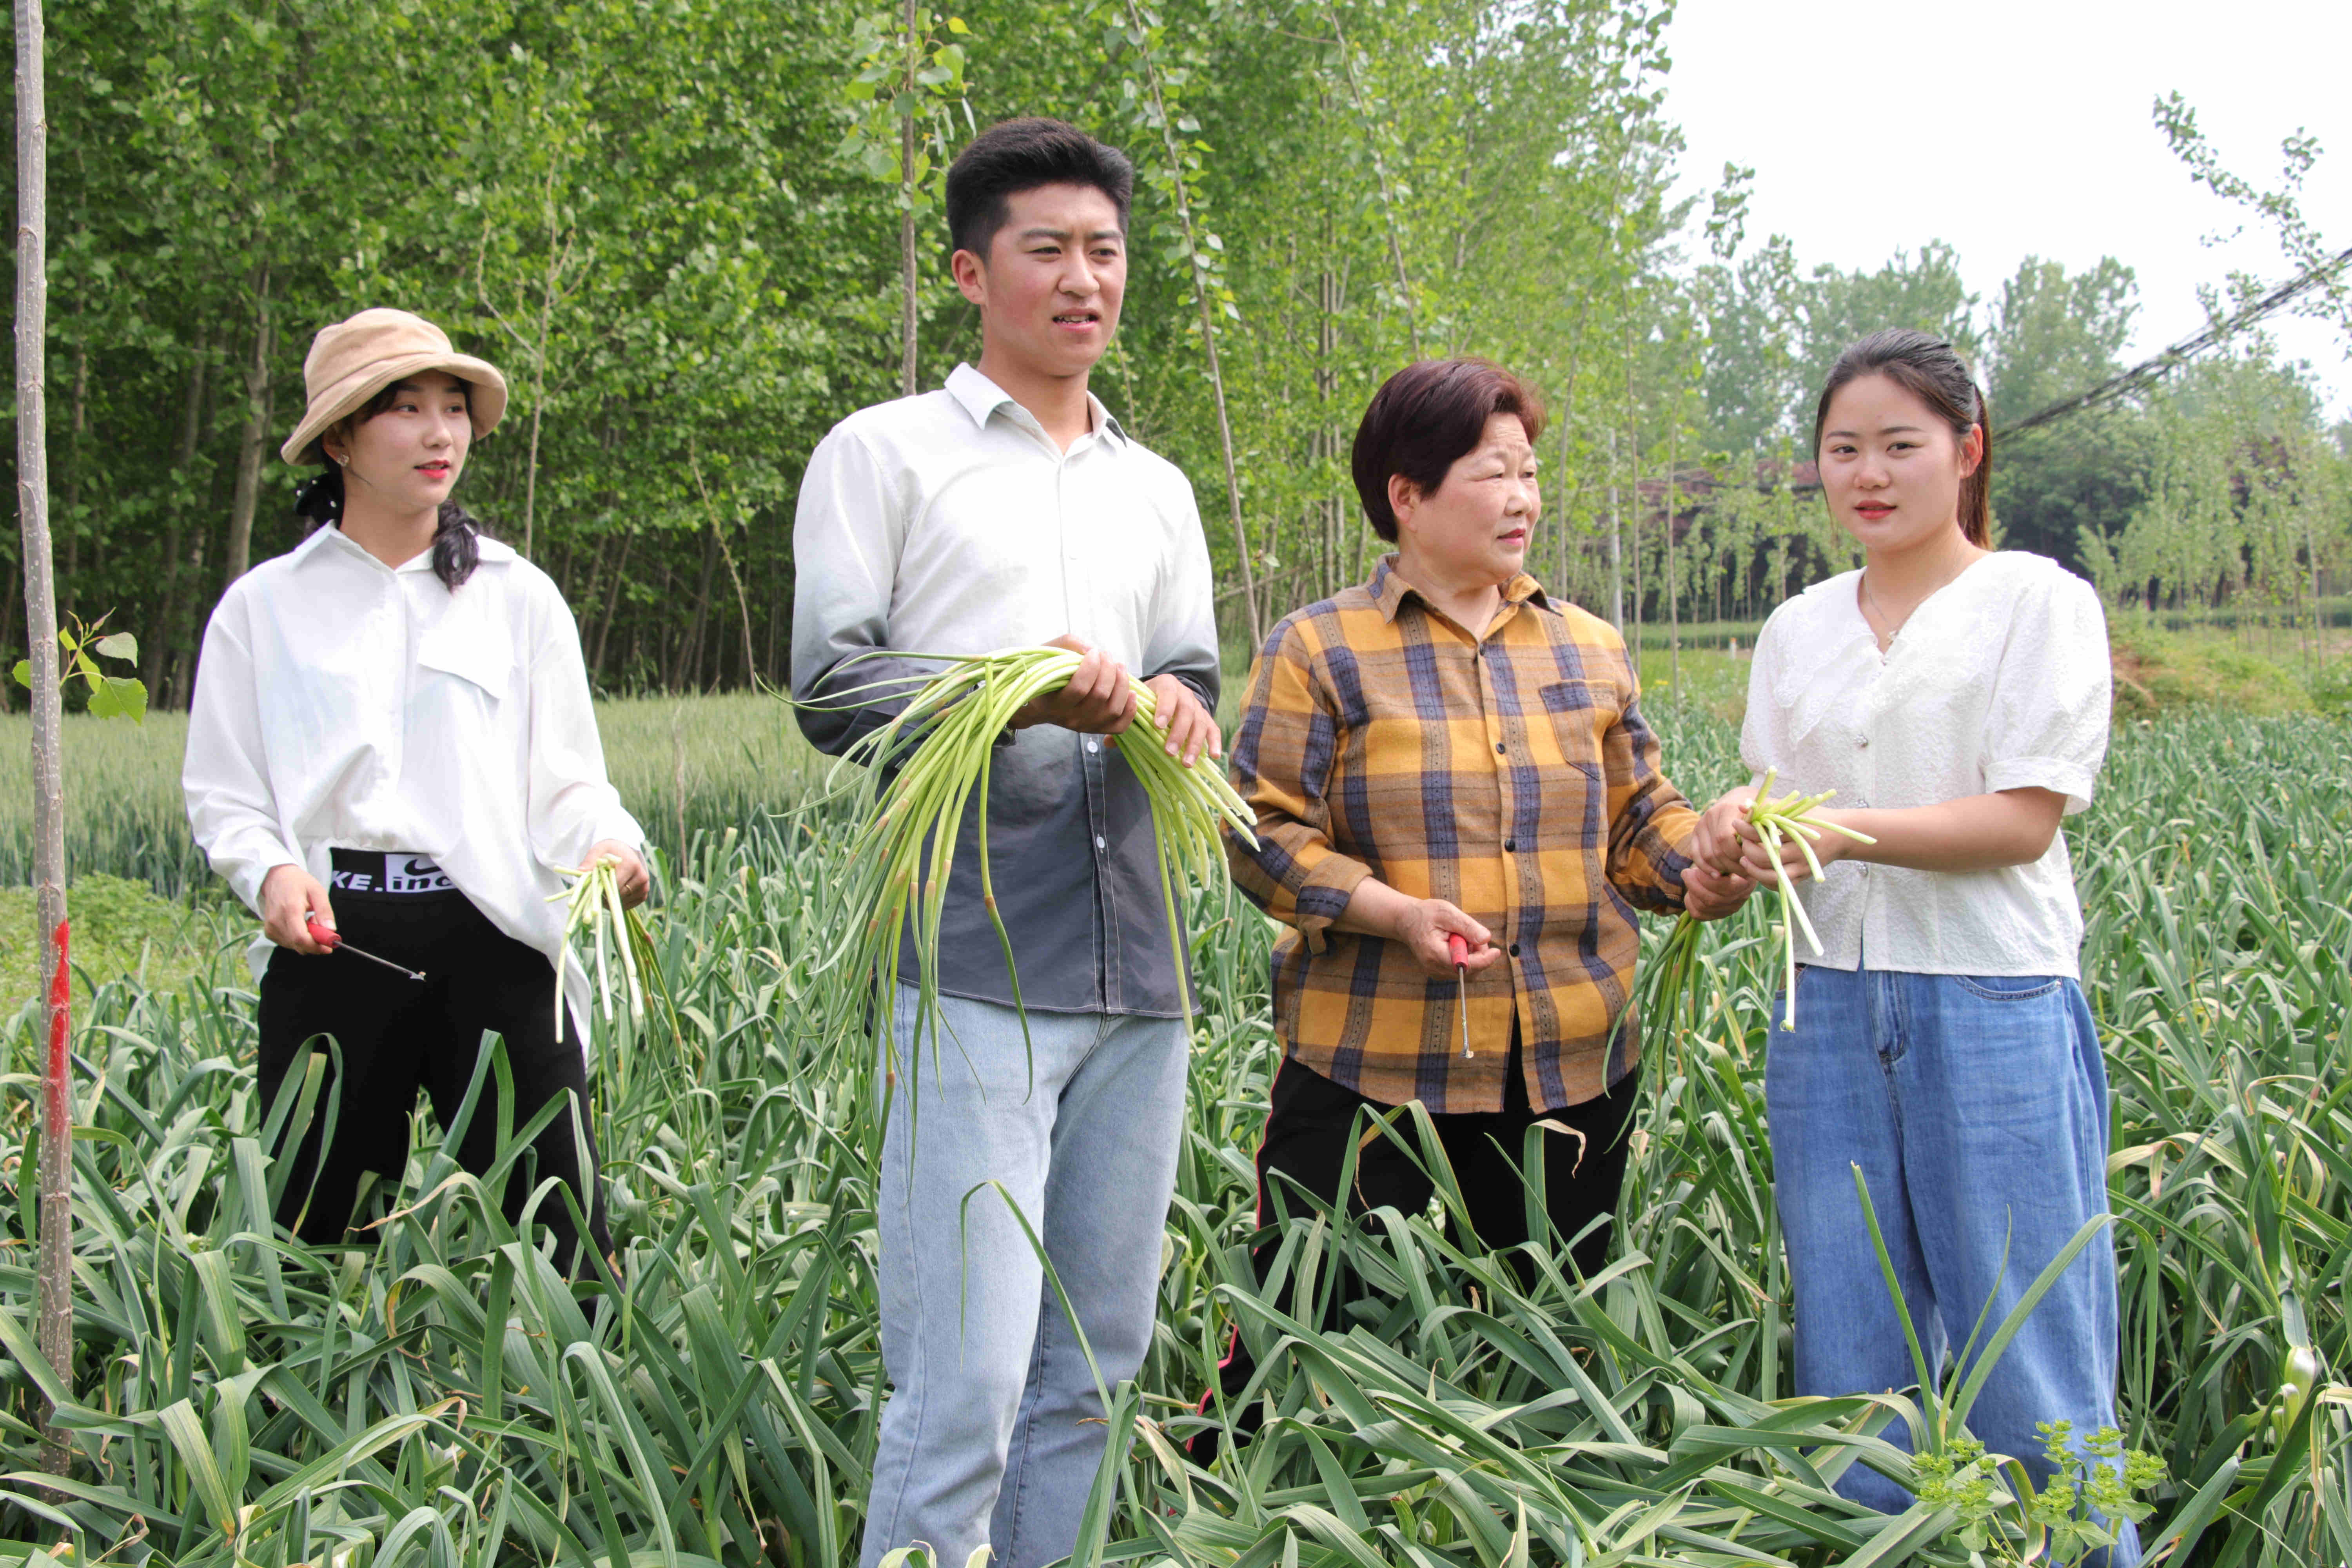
2149 372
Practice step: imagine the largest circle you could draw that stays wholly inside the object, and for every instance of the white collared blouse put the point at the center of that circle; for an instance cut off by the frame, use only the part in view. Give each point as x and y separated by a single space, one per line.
342 703
2000 680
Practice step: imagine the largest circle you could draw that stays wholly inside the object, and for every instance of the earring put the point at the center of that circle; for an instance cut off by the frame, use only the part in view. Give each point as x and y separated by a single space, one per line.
341 461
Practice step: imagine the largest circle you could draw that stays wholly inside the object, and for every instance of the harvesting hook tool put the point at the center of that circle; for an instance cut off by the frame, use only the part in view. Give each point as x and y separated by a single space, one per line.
1459 950
330 939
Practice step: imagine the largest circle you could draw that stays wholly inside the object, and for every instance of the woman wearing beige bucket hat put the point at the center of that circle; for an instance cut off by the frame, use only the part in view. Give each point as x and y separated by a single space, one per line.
391 753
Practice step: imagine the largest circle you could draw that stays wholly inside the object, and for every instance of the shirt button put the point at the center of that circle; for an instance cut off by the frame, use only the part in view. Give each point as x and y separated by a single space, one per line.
1091 746
1510 846
1499 748
1098 841
1864 740
1515 950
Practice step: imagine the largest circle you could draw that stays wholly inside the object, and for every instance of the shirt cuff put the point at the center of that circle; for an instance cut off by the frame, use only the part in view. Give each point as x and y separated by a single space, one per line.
252 873
2072 780
1323 898
622 828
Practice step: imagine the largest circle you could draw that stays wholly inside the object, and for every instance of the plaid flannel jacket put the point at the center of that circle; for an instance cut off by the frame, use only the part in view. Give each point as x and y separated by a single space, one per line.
1514 777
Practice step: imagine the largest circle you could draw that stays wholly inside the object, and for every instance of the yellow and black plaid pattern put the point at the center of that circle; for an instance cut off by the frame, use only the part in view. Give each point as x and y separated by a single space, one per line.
1515 778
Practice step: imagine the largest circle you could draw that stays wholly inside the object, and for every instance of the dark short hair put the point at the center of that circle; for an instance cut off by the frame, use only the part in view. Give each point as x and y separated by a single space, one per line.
1424 419
1932 370
1017 155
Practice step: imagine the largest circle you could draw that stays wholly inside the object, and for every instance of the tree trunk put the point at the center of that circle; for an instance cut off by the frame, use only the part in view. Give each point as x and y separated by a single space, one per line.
55 1330
254 439
1208 328
1633 480
1616 544
1674 596
158 643
9 604
907 383
689 664
1380 173
66 599
612 604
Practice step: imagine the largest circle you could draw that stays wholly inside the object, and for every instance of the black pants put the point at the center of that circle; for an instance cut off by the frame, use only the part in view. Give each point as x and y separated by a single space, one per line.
1312 1123
397 1034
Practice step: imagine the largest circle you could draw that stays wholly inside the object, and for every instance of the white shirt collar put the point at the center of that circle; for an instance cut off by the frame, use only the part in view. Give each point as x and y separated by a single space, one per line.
980 397
330 536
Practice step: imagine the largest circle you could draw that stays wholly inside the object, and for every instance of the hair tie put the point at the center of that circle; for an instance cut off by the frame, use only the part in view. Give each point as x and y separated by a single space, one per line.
320 497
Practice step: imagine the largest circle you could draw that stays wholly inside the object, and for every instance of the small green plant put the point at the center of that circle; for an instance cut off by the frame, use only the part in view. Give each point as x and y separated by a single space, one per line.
2008 1520
111 696
2331 690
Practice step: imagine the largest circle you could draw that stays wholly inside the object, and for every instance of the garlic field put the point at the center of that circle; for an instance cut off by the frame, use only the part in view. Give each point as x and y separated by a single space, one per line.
447 1399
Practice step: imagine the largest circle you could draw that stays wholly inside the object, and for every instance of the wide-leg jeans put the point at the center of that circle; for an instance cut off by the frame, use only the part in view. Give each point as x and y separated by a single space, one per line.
1977 1109
994 1430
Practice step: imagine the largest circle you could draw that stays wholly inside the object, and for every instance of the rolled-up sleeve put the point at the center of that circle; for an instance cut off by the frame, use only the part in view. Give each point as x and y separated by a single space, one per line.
847 535
1650 822
1283 756
224 777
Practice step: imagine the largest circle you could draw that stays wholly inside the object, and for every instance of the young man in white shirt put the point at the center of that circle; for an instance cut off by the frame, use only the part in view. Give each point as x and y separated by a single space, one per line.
1010 509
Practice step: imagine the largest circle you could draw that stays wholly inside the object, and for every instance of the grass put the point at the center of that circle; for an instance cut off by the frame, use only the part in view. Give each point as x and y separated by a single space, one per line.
2158 671
446 1399
683 765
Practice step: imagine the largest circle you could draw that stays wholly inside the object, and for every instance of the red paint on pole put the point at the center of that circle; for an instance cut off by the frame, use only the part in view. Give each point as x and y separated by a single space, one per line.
59 1107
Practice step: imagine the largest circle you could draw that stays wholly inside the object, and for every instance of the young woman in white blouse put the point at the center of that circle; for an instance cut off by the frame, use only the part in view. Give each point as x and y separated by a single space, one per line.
391 744
1955 698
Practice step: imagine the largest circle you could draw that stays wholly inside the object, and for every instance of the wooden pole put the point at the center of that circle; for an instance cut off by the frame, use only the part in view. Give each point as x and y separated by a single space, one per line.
55 1332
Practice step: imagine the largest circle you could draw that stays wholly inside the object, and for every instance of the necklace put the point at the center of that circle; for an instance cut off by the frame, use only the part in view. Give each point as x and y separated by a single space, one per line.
1874 613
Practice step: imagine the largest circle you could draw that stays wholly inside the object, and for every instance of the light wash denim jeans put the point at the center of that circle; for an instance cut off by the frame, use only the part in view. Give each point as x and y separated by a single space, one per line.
1976 1108
994 1431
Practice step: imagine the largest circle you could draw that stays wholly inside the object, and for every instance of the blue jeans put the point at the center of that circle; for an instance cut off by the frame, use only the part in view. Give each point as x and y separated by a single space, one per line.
1976 1108
994 1430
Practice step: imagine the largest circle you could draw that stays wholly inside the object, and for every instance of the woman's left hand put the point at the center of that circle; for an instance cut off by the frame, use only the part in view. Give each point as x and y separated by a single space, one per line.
635 880
1758 865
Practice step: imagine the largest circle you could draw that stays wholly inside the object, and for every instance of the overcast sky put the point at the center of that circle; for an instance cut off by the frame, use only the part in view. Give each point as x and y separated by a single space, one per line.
2012 129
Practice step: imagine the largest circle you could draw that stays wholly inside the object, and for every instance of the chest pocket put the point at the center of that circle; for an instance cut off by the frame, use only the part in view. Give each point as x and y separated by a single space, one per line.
1581 713
471 645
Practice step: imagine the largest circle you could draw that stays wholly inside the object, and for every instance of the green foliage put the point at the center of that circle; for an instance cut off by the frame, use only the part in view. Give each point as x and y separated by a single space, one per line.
722 1409
109 696
2158 672
2331 693
121 930
2066 1520
898 79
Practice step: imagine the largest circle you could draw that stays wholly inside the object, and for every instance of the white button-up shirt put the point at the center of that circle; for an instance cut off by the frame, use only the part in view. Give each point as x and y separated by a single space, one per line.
344 703
2000 680
952 523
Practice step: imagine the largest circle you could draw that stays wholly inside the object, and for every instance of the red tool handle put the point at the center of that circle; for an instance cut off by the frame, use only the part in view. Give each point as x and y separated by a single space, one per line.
326 936
1456 949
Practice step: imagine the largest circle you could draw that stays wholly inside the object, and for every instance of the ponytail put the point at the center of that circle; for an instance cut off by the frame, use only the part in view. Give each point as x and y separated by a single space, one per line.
1932 370
456 537
1976 490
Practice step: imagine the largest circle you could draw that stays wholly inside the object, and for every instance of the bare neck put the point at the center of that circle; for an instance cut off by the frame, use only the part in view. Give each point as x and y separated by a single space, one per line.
1904 578
1057 402
1469 603
395 537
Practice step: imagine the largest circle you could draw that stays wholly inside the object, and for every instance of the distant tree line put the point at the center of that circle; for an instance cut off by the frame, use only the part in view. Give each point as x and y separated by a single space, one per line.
694 236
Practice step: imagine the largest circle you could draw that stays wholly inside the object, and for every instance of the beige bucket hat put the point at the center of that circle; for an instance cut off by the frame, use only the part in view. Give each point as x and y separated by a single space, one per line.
353 360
